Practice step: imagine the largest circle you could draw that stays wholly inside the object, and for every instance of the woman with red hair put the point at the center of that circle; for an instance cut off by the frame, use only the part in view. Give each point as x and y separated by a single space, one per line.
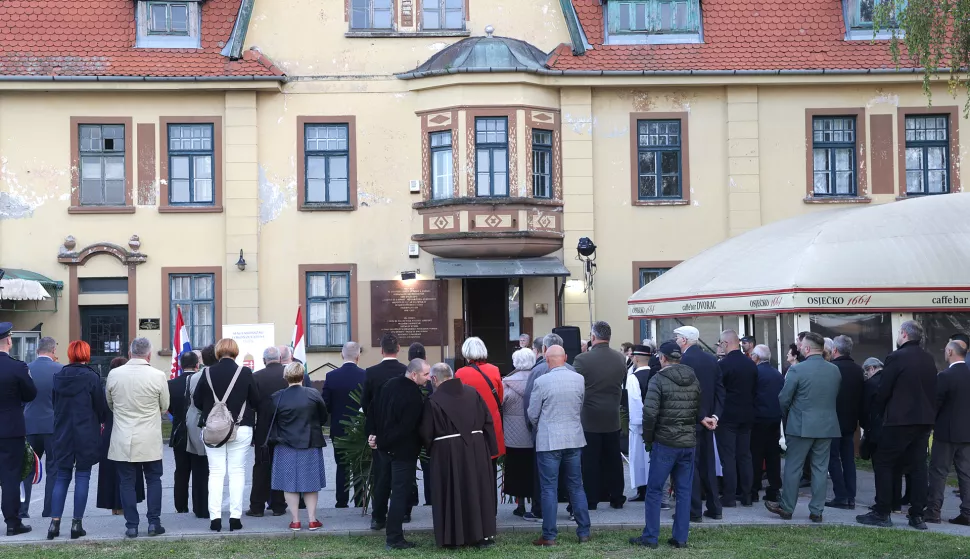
79 410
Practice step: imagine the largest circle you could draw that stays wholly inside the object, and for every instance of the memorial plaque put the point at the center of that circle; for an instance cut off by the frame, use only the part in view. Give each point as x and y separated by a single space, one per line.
411 309
149 323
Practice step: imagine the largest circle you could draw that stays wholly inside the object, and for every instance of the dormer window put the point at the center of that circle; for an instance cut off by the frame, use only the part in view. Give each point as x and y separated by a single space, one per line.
861 16
168 24
653 21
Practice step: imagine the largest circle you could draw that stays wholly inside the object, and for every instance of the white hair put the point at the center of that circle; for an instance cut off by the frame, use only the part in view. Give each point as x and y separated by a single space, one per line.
474 349
523 359
271 355
762 352
350 351
650 343
140 347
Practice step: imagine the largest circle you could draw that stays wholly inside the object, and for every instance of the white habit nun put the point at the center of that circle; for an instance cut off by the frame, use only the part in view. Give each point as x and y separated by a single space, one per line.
639 458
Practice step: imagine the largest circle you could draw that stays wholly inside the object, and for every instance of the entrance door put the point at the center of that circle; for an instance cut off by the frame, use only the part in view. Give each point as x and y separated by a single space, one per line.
106 329
486 317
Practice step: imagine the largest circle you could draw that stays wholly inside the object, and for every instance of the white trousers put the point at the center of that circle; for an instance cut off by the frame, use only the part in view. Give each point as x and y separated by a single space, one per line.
231 459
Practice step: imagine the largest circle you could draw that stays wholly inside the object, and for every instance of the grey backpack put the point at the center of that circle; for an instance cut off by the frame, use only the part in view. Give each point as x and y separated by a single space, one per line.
220 427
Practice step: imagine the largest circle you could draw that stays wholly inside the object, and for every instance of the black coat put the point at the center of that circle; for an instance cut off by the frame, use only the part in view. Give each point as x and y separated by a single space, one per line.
300 415
849 403
953 405
869 419
709 376
397 418
79 410
740 377
374 379
16 389
907 395
337 387
269 380
767 408
243 391
176 407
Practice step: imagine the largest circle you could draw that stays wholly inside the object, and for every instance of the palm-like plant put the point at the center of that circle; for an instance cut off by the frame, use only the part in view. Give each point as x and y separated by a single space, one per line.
356 454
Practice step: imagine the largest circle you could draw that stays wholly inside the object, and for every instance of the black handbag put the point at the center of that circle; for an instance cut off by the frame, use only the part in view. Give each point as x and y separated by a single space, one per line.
498 401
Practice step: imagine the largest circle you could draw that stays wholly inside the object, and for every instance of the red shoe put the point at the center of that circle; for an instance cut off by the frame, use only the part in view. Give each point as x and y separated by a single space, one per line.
295 526
315 525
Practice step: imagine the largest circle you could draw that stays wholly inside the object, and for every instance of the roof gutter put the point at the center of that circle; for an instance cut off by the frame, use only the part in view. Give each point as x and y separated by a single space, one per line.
577 36
237 39
629 73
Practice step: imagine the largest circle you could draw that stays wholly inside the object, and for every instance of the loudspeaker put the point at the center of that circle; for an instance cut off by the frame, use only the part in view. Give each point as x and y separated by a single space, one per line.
571 340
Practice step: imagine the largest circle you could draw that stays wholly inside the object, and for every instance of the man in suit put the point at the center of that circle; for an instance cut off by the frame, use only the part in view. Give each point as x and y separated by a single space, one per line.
604 370
765 452
16 389
39 418
907 400
137 393
951 435
374 379
712 405
268 380
337 388
740 377
555 412
848 407
188 464
808 406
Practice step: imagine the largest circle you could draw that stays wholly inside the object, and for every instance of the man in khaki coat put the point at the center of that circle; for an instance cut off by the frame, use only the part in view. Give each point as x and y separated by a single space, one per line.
137 393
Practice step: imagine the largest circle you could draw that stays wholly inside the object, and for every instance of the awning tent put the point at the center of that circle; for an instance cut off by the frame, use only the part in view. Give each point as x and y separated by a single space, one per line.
905 256
23 285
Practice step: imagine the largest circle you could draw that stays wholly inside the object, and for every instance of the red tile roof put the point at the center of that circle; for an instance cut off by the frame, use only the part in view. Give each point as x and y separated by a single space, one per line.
738 35
97 38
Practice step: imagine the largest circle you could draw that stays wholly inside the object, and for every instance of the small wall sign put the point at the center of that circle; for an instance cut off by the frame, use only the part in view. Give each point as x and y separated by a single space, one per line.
149 323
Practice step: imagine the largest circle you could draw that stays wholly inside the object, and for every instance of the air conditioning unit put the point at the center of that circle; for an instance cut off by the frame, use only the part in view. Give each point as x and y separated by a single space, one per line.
413 250
415 187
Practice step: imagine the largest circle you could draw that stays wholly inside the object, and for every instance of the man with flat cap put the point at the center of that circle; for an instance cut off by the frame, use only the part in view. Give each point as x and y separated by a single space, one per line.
16 389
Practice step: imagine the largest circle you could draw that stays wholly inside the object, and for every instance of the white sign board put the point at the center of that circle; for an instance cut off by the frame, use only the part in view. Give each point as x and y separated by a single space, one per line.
252 340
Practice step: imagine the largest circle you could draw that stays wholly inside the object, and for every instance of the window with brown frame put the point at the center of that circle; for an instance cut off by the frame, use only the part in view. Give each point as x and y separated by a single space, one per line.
327 165
191 164
101 163
328 295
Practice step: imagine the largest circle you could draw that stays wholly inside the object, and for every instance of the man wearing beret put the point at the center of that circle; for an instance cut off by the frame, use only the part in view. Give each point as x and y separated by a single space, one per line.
16 389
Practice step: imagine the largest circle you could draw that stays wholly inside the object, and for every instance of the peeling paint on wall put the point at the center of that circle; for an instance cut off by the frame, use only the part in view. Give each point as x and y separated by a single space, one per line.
367 198
12 207
883 98
582 125
275 193
41 182
621 132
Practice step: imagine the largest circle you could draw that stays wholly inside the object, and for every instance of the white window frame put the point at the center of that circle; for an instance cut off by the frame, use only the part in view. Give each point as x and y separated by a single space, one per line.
651 38
146 39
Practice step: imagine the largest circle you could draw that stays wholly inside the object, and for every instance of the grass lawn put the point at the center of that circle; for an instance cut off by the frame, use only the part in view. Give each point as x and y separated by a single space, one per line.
830 542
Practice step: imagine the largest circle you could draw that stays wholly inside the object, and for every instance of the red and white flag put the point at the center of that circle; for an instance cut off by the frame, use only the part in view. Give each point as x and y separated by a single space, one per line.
180 343
299 343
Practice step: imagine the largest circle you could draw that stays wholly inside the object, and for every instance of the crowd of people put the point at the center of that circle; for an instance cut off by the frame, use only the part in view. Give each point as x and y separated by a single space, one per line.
705 431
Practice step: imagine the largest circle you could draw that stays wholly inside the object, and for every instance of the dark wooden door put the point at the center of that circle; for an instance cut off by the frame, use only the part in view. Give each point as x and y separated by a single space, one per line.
486 317
106 329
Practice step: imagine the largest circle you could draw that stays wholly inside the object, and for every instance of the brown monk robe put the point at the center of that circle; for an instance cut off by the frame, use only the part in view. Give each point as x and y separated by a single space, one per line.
457 429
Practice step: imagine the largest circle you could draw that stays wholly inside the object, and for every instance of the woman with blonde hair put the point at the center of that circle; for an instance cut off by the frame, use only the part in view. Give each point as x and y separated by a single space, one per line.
233 385
296 430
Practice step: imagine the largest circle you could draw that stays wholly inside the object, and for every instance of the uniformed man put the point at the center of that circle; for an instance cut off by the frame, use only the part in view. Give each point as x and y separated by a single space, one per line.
16 388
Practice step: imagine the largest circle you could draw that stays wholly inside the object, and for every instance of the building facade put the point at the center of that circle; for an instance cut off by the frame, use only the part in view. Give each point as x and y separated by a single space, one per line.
148 148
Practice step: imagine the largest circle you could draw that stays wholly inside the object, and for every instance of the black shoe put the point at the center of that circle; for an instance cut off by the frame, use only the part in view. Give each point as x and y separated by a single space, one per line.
406 519
775 508
157 530
618 504
18 529
713 515
815 518
54 530
341 506
403 544
697 518
131 533
641 543
532 516
77 530
747 504
255 513
674 543
874 519
639 498
377 525
932 518
235 524
215 525
486 543
24 516
728 505
916 521
844 505
961 520
201 515
279 512
182 511
519 511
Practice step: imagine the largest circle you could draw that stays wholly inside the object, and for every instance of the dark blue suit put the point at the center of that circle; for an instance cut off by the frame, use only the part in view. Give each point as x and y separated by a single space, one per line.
765 432
740 377
39 419
337 388
16 388
712 404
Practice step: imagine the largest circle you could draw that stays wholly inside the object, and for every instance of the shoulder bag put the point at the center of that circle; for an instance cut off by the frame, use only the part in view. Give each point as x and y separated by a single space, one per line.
498 401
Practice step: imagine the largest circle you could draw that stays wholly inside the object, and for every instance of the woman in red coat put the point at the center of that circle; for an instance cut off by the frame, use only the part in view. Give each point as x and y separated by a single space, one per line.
487 380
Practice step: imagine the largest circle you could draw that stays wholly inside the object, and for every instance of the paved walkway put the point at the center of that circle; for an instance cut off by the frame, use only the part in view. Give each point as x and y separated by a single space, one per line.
102 525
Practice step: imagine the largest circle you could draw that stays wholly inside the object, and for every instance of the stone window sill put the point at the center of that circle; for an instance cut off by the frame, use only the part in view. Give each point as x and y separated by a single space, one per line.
101 210
902 197
402 35
327 208
661 202
837 200
190 209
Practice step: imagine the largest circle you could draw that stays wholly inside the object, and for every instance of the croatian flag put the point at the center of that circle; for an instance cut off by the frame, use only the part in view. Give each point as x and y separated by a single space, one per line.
180 343
298 344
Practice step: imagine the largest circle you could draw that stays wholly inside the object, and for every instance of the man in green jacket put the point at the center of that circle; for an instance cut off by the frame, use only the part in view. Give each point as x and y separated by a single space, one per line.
670 410
811 422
